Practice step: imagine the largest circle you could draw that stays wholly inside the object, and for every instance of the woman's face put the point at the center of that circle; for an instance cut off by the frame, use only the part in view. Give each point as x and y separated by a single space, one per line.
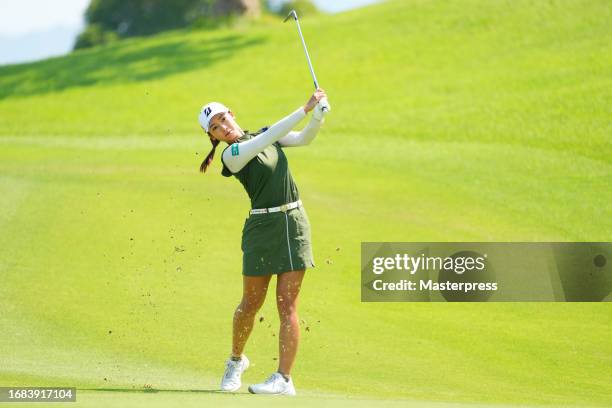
223 127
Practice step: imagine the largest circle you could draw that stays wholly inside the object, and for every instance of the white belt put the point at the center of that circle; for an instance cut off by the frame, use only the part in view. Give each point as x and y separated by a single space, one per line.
283 208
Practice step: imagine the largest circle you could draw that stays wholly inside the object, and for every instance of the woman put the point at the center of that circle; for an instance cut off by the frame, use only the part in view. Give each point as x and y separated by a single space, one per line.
276 235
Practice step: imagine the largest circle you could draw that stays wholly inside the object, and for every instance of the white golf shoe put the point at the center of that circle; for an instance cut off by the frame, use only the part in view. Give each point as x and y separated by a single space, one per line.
233 370
275 384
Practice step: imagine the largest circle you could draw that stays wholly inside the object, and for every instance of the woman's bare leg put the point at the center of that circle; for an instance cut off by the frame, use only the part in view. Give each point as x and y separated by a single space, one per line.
287 291
254 289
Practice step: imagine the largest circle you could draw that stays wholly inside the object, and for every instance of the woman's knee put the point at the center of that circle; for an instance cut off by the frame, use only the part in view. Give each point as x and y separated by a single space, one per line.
287 308
250 305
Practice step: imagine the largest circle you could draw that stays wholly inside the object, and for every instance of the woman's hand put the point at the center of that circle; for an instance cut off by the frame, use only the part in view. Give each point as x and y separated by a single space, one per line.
314 99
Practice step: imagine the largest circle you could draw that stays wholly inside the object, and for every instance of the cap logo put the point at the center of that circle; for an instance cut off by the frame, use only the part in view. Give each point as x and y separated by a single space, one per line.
207 111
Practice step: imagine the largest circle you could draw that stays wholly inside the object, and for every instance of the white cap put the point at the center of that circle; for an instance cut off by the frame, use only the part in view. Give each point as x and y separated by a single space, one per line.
209 111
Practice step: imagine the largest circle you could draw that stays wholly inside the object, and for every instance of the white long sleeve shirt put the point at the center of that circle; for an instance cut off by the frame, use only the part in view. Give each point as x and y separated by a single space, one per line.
237 155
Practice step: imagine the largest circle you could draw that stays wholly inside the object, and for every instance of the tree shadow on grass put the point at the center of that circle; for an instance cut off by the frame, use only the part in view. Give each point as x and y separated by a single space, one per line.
121 62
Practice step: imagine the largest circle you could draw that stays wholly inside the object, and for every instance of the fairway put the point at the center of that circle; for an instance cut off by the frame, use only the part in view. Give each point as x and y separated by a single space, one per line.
198 397
451 121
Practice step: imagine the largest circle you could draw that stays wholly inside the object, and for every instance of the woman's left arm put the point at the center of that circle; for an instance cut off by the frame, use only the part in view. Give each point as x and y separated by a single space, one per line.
304 136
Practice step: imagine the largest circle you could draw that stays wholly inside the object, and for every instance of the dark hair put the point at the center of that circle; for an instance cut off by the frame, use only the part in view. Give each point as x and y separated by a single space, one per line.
208 160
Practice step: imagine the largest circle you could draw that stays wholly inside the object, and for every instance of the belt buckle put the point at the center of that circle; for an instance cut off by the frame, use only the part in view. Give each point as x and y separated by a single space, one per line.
284 207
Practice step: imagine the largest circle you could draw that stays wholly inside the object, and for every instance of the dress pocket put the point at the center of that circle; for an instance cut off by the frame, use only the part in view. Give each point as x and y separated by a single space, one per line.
301 225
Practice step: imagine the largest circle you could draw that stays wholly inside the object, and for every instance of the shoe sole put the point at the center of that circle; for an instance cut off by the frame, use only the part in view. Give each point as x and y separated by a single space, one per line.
285 393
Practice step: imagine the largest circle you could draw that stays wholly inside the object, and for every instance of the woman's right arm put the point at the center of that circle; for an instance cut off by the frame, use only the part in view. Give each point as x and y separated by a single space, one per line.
237 155
306 135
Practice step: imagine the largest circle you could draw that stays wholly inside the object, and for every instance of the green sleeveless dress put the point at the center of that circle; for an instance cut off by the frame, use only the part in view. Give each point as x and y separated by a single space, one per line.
277 242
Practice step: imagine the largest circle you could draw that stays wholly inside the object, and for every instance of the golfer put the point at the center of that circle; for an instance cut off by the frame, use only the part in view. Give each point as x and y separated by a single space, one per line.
276 235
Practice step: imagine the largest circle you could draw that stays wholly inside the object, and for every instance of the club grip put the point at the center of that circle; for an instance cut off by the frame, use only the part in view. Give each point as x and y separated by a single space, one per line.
325 105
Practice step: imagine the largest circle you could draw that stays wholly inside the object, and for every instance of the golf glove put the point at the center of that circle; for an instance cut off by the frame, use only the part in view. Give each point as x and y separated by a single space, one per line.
321 109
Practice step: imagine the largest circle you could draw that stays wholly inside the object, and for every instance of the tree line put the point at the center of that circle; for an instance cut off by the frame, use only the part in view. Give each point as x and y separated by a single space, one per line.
111 20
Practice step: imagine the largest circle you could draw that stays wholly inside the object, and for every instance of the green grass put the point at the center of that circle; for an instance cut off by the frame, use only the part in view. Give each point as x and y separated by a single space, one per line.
452 121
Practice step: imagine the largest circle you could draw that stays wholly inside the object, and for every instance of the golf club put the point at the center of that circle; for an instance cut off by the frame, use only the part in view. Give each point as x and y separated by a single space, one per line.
324 104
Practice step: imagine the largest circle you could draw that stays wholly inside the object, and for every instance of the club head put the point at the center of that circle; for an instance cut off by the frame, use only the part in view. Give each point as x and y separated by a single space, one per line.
293 14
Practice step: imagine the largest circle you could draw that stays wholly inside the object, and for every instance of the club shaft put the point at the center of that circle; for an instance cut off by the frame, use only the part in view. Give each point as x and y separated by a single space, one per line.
314 77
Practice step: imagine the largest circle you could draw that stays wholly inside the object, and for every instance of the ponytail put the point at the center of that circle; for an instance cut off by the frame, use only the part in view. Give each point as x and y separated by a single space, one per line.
208 160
